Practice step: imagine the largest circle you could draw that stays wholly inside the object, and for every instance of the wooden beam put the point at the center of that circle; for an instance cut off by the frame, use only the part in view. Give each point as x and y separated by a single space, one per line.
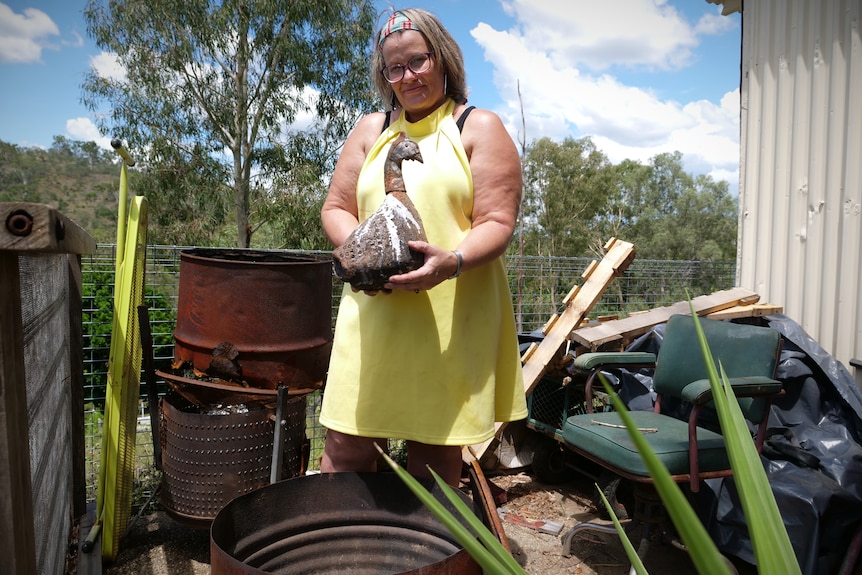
578 303
753 310
621 331
17 544
598 276
30 227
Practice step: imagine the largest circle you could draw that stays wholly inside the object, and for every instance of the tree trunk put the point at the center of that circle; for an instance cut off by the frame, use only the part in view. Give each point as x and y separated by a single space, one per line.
241 140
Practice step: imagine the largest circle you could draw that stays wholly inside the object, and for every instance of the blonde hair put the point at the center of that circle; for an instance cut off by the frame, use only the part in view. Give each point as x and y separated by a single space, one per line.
447 54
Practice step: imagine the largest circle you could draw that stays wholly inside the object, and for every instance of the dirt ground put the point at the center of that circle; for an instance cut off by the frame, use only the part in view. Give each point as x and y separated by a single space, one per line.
592 552
157 545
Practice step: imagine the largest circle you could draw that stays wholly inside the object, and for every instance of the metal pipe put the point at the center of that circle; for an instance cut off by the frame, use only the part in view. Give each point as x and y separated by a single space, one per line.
278 436
150 377
117 144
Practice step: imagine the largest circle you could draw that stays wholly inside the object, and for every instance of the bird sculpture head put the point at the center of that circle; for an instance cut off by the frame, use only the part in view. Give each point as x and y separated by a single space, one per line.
403 148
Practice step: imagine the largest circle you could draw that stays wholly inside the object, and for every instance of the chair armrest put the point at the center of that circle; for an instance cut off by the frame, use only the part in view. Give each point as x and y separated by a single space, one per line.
699 392
587 362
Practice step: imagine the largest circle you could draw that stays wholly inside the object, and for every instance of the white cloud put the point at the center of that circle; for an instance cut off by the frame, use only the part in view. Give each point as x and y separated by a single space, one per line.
77 40
562 58
22 36
598 35
84 130
712 24
107 65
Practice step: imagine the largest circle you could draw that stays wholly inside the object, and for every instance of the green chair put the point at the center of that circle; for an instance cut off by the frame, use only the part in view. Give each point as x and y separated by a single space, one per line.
691 452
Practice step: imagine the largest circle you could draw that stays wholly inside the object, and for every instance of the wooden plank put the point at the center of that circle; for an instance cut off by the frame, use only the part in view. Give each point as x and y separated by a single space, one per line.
626 329
578 303
76 385
89 562
30 227
618 256
17 542
530 350
754 310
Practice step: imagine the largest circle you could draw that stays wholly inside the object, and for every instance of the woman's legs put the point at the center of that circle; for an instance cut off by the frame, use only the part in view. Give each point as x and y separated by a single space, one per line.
445 460
342 452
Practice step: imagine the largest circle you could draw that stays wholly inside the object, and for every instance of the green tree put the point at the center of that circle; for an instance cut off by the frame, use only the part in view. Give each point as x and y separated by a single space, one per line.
670 214
215 85
291 205
567 187
704 223
650 204
192 207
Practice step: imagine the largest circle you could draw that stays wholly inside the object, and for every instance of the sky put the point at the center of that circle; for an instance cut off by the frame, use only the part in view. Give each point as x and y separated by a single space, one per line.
639 77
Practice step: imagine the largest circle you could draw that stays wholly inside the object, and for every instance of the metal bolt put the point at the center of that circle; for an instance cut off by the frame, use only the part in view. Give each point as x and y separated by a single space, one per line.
19 223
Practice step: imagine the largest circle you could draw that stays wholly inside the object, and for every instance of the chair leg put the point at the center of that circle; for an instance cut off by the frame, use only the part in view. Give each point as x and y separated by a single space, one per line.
570 534
649 512
643 546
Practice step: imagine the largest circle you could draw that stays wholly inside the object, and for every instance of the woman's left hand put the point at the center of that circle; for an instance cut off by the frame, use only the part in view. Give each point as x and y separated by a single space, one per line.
439 265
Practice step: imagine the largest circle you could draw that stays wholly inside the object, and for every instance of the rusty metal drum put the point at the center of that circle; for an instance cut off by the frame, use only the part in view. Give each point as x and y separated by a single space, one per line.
327 524
272 309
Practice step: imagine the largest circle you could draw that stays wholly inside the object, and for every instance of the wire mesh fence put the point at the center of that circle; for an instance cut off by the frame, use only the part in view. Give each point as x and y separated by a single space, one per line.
538 284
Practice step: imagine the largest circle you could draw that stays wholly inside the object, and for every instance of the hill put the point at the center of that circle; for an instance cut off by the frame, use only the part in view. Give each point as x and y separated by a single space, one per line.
78 178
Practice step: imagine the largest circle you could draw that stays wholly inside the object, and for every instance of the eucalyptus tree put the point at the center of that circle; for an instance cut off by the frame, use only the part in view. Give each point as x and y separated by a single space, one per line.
704 224
567 191
225 87
670 214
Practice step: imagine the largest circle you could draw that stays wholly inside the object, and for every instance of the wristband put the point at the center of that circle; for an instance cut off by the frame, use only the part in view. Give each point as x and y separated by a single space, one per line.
460 262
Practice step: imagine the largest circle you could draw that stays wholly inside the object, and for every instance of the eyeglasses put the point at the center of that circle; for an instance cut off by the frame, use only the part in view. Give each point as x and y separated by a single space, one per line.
417 64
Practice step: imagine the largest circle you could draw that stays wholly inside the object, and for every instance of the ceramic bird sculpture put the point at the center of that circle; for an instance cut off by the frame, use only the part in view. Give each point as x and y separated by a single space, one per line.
378 248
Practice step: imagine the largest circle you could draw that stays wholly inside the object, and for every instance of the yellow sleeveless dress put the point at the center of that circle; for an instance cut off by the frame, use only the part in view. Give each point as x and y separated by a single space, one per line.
441 366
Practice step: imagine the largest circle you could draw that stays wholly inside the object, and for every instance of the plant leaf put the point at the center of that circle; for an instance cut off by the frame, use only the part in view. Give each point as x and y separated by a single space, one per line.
772 546
482 532
630 550
489 563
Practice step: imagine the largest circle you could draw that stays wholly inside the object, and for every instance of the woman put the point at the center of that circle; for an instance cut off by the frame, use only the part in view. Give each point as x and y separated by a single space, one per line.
434 360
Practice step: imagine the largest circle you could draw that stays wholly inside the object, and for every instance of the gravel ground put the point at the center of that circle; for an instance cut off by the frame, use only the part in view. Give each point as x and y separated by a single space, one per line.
158 545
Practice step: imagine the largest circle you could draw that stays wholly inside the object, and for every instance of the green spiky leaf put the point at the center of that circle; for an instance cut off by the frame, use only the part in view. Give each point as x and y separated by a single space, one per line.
490 561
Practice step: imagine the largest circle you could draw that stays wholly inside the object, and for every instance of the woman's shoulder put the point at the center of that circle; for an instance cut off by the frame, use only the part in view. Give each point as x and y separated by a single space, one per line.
367 130
373 122
475 116
480 126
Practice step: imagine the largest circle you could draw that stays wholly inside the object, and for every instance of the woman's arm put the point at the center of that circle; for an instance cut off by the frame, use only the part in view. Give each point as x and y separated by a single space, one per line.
497 188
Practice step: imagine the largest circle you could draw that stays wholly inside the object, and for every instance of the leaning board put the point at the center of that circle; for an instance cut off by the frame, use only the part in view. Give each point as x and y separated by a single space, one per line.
578 303
114 499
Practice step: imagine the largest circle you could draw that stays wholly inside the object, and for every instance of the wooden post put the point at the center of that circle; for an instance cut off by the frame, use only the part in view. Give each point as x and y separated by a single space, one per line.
17 544
27 233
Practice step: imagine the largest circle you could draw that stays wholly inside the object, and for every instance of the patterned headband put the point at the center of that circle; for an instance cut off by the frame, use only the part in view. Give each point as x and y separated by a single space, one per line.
398 21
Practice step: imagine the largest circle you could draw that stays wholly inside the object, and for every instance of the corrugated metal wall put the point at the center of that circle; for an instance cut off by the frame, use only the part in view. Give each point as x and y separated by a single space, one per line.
800 196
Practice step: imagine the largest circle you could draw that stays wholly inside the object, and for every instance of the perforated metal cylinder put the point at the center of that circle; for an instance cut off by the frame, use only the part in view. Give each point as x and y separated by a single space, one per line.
211 457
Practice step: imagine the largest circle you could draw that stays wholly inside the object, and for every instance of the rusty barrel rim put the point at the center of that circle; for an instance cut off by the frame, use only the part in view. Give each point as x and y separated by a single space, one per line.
329 523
